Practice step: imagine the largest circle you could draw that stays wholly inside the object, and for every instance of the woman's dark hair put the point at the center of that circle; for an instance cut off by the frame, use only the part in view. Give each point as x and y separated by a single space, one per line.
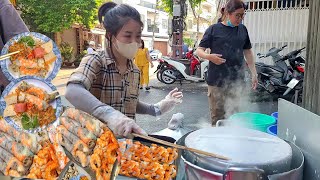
142 44
230 7
115 16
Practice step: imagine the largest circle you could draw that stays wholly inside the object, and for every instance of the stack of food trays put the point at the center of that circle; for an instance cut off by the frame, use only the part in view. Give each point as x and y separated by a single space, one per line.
29 155
84 141
93 146
88 142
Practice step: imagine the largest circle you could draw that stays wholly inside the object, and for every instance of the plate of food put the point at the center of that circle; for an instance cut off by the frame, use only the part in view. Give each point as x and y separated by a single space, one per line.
30 104
38 56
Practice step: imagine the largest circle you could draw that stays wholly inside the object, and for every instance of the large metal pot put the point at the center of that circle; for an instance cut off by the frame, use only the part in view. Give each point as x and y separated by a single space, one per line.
204 168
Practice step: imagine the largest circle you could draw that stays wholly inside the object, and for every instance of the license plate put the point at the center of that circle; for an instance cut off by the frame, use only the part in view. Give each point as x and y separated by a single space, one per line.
293 83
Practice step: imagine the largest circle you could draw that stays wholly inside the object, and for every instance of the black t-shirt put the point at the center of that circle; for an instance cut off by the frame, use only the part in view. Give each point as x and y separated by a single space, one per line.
230 42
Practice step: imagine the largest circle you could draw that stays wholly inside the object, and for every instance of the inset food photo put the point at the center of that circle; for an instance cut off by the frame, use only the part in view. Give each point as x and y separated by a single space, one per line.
36 55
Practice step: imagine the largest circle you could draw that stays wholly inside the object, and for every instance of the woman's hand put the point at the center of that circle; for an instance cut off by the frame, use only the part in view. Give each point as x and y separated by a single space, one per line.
215 58
119 123
125 126
254 81
169 102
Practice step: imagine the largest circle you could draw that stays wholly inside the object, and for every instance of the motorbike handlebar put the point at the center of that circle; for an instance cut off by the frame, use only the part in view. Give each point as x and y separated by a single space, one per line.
288 56
283 47
261 55
296 52
302 49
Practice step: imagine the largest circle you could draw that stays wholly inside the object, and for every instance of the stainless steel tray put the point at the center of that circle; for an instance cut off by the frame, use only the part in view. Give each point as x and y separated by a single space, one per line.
87 169
148 143
91 173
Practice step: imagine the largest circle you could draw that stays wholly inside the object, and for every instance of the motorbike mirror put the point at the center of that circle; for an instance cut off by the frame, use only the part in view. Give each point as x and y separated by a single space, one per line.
259 54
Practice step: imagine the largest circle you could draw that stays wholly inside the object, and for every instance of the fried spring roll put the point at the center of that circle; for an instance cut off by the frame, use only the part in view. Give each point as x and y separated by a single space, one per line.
36 91
74 127
2 166
86 121
11 162
37 102
65 142
28 140
54 138
77 143
21 152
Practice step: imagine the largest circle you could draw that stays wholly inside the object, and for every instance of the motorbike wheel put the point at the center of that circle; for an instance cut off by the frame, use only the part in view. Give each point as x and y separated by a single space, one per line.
165 79
159 76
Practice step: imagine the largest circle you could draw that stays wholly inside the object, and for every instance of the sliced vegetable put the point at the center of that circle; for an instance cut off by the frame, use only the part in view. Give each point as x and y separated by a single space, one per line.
20 107
27 40
39 52
31 55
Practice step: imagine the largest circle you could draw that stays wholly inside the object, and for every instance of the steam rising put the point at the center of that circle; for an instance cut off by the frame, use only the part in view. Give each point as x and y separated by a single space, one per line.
238 99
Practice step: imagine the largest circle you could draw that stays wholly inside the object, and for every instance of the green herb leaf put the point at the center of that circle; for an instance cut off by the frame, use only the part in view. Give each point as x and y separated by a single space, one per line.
35 122
28 40
25 121
29 122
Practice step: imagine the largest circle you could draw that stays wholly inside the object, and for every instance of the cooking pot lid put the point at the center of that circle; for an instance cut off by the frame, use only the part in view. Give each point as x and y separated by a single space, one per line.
243 146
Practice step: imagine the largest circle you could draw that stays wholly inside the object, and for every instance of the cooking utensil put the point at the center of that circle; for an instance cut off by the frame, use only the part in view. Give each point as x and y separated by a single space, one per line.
190 168
6 56
246 148
180 147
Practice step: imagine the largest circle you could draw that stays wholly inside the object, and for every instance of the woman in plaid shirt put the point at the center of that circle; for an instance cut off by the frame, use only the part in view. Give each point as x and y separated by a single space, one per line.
106 84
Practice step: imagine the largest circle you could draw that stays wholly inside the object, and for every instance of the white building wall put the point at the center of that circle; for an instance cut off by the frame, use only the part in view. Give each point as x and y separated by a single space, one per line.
146 13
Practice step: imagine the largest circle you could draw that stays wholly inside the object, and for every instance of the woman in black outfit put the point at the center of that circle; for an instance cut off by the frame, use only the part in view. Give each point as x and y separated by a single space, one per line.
230 47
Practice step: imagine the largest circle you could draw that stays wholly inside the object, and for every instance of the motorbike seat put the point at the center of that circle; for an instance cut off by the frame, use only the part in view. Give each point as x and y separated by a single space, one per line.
183 61
277 68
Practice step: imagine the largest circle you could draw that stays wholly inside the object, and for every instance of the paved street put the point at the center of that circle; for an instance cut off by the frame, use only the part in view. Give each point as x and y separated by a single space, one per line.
194 105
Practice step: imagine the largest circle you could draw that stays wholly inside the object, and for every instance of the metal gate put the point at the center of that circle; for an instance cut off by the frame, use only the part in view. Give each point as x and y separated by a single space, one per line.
274 23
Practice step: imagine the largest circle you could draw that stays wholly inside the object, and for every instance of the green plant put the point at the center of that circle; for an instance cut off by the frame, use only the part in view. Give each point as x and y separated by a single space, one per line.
66 51
188 42
80 55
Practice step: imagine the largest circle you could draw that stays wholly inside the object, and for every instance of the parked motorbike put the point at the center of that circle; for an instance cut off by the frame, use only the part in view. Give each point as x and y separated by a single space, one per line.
280 79
170 70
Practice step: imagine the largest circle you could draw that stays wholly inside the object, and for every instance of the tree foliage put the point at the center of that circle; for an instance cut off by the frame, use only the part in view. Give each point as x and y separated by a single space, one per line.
167 5
188 41
56 15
